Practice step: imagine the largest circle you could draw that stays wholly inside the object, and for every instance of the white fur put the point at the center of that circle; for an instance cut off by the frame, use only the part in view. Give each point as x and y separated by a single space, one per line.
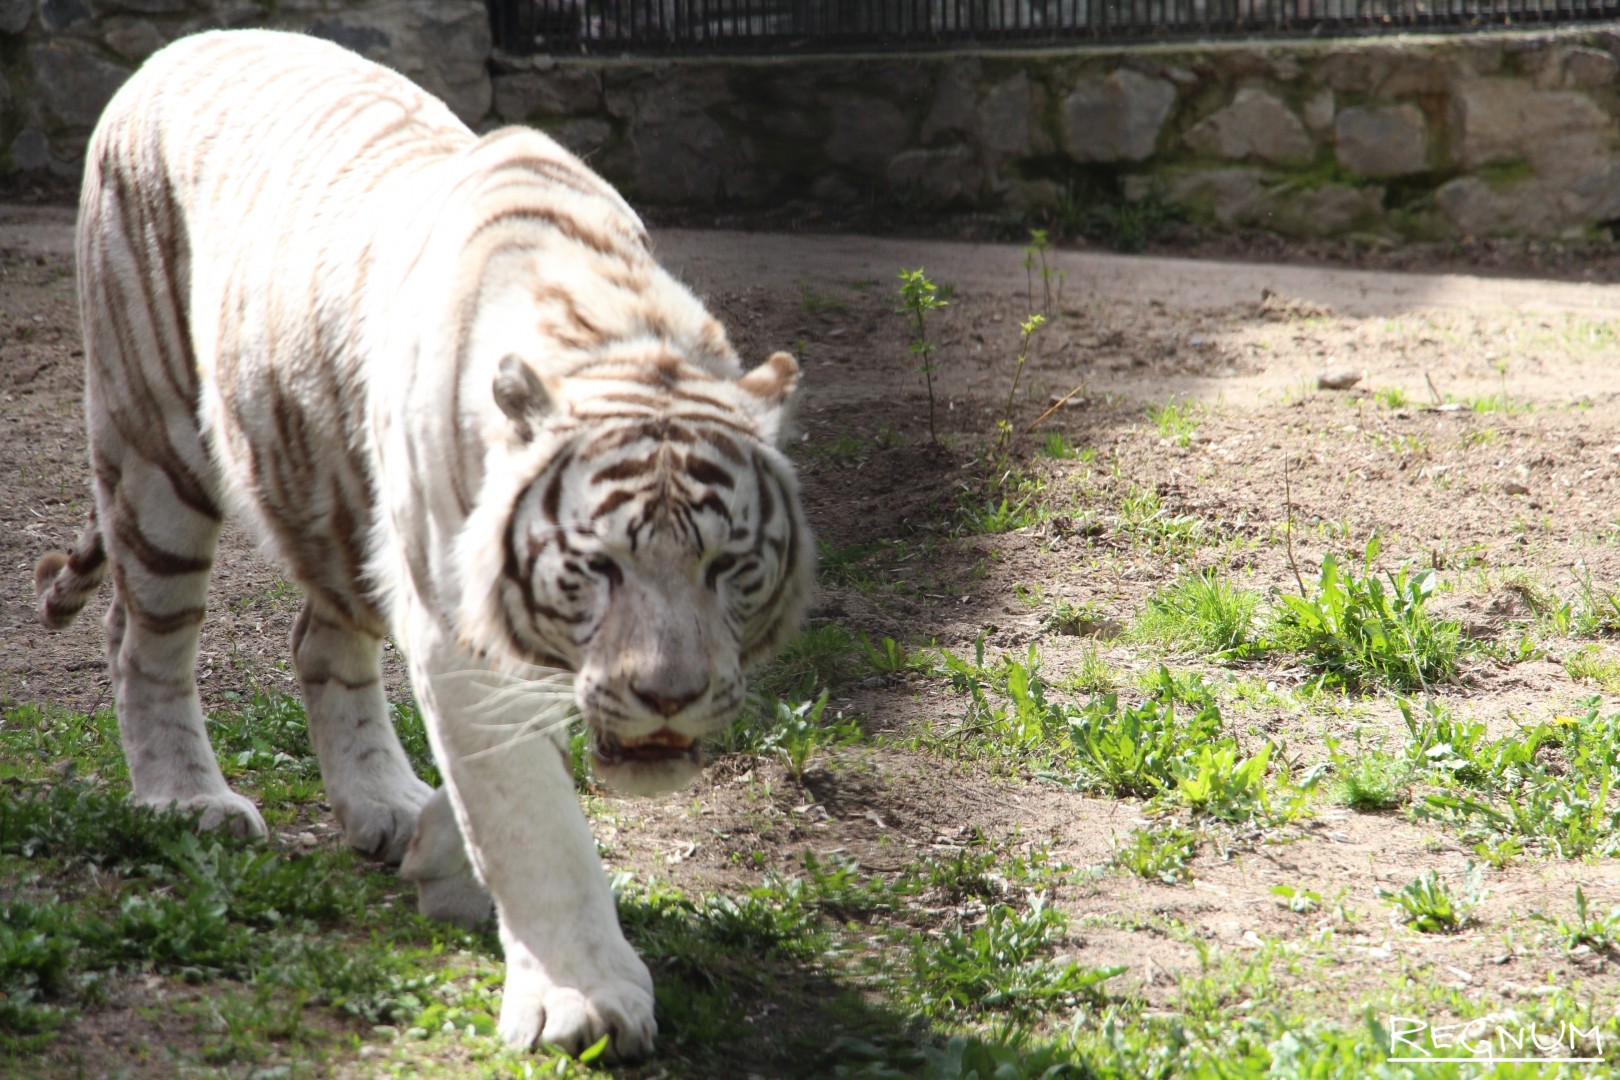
347 324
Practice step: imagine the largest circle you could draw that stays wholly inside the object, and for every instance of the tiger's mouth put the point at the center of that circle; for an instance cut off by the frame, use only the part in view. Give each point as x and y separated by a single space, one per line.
652 765
661 745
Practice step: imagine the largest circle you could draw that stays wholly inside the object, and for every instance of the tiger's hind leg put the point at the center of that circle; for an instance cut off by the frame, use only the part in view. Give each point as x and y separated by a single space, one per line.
369 781
161 551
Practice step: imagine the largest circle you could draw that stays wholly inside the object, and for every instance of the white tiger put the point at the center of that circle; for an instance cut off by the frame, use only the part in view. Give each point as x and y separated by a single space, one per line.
445 377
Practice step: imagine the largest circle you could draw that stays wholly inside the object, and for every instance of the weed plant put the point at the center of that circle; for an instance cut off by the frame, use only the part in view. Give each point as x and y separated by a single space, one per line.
1430 906
1359 631
1600 933
1159 854
1546 788
919 296
1371 780
792 732
1027 329
1152 749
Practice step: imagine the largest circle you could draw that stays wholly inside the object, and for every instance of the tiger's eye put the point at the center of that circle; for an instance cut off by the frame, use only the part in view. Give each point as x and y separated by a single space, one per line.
602 566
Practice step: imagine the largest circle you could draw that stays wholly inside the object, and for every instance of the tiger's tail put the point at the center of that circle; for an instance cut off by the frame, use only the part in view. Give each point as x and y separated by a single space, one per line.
65 581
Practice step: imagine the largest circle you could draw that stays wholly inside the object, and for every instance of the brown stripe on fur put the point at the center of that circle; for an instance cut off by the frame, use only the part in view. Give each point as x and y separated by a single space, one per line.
140 422
347 531
705 471
92 560
131 539
613 501
169 623
180 681
139 235
649 402
727 447
615 438
714 504
136 432
767 506
561 172
347 684
628 469
681 394
709 418
567 225
713 338
57 607
551 502
548 294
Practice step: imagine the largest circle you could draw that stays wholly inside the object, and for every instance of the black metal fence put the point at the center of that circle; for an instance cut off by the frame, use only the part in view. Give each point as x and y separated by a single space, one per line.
524 26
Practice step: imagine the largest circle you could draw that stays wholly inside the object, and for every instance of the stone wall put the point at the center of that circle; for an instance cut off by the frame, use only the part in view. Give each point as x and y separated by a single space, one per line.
61 60
1417 137
1410 137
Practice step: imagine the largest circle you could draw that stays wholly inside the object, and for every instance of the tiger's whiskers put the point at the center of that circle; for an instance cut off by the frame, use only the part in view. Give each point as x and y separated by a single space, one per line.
530 705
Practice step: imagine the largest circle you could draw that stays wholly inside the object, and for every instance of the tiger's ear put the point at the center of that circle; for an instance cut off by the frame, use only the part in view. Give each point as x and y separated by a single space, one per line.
521 395
772 385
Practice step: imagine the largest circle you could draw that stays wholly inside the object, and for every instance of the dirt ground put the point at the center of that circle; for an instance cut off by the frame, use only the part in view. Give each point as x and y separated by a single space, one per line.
1494 499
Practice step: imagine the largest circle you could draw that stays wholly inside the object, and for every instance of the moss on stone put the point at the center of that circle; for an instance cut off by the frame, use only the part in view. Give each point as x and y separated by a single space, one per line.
1506 175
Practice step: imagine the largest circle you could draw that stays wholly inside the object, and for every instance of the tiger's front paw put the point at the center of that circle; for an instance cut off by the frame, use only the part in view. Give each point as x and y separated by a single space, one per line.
225 811
535 1010
436 860
381 824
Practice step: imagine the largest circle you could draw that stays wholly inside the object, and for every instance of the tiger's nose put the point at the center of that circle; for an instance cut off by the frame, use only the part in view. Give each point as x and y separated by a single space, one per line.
666 704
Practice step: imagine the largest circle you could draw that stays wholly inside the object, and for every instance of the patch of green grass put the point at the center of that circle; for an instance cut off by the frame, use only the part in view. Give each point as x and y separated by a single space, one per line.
1358 630
1502 402
1000 517
1430 906
1596 611
1091 673
1158 854
1126 224
1055 444
1600 933
1000 966
1075 620
1199 612
825 655
1177 419
1143 517
1546 786
1146 750
887 656
1222 782
814 302
1591 664
1371 780
1299 901
194 906
791 731
851 564
1139 750
1392 397
39 742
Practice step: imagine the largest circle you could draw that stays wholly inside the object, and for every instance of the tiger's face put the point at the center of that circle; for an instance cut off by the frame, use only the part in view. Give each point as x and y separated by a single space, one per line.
658 553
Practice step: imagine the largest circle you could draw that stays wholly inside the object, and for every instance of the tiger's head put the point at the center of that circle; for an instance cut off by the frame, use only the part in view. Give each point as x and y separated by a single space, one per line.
648 538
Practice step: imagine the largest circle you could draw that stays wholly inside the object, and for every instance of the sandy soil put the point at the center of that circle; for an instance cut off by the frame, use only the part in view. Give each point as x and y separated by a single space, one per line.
1492 498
